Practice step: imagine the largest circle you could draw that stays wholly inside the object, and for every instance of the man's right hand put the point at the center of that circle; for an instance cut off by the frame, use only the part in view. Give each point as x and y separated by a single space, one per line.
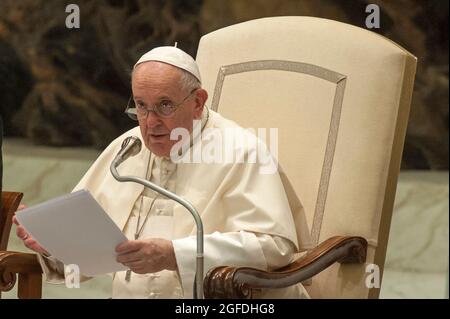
28 241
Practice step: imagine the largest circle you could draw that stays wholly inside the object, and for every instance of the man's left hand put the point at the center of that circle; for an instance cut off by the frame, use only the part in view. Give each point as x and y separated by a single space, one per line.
147 256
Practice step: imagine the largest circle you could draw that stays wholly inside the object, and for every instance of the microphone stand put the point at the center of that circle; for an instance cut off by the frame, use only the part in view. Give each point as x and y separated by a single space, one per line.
198 284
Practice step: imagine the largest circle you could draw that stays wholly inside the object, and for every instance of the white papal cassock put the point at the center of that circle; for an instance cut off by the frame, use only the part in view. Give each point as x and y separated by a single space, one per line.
248 218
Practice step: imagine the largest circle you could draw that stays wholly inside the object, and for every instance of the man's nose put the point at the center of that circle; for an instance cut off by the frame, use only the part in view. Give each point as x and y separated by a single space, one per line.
152 119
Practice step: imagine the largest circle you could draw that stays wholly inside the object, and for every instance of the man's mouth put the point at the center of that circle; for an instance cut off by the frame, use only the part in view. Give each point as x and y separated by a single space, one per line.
158 136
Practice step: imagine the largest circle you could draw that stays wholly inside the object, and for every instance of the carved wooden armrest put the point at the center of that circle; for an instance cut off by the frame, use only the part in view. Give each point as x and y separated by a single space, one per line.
29 270
238 282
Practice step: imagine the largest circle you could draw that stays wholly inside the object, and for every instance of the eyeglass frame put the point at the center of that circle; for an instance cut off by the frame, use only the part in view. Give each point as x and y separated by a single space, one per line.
133 113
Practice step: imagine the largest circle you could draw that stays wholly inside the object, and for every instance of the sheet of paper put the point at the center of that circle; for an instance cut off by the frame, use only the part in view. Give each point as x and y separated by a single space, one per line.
75 229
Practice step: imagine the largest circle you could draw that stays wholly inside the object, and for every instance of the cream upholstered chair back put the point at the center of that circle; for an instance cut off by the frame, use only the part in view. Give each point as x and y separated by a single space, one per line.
339 96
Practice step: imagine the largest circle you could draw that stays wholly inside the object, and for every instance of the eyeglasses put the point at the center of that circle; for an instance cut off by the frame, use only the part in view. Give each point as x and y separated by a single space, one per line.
164 109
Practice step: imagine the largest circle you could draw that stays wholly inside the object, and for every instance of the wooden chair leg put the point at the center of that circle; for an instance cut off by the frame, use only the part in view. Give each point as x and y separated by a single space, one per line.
30 286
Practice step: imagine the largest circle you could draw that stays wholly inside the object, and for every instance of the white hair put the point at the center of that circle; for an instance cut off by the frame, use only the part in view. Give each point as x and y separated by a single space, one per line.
188 81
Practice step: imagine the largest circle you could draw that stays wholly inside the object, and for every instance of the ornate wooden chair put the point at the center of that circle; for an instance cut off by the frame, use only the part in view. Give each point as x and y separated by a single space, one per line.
13 264
340 98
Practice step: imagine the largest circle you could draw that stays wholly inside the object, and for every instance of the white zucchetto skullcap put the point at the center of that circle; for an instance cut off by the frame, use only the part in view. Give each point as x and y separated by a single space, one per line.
172 56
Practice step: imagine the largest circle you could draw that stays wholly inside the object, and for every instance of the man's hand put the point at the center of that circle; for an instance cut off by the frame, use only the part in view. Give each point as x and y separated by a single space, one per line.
147 256
28 241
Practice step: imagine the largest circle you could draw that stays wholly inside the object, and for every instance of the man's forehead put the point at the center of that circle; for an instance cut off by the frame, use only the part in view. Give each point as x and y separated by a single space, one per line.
156 74
149 84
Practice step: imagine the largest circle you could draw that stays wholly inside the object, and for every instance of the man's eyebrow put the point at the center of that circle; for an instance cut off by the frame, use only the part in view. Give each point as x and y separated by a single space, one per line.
164 97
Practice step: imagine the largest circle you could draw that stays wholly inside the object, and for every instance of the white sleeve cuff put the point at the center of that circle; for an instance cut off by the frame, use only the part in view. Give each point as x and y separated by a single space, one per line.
52 269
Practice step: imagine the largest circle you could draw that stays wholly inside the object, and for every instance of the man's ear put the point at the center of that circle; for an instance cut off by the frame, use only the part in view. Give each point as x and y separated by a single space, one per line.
200 99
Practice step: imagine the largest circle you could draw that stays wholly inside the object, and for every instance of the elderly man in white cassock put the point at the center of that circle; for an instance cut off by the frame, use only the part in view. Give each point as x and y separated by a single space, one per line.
248 219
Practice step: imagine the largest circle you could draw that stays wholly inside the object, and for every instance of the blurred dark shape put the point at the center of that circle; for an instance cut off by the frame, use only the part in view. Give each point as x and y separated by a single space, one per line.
15 85
77 81
1 161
